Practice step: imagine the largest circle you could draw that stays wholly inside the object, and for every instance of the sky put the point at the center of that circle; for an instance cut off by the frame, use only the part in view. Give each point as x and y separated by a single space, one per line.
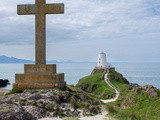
126 30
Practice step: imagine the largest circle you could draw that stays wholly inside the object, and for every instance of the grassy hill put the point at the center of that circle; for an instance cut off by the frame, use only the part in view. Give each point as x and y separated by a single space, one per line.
135 102
95 85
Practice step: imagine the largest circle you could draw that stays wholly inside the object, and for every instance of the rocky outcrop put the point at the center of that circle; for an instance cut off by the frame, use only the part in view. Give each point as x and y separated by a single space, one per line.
151 90
138 92
88 87
98 70
36 104
116 76
4 83
12 111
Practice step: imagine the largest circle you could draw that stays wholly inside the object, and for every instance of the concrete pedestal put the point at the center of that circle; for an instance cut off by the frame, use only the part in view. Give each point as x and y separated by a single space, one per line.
39 76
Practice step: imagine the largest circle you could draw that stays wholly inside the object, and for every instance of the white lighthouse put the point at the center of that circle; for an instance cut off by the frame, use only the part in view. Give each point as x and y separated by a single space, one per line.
102 60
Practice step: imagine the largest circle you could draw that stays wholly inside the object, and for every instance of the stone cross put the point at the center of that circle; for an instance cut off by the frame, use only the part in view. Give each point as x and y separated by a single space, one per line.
40 9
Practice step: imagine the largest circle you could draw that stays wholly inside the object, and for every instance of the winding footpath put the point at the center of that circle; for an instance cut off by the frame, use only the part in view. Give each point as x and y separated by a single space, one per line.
103 115
106 78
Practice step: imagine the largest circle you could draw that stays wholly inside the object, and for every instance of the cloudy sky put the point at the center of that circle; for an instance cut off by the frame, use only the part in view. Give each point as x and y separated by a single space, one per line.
126 30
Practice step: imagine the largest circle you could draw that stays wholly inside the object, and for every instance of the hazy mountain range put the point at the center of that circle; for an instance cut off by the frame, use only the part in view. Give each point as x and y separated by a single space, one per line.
7 59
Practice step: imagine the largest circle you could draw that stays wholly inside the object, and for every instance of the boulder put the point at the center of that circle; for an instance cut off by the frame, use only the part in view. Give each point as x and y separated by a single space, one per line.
4 83
12 111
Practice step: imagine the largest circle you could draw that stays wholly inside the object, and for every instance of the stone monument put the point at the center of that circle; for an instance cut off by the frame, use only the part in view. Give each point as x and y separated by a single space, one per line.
40 74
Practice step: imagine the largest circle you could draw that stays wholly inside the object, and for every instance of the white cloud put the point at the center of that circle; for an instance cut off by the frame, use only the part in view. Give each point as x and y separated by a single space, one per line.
85 22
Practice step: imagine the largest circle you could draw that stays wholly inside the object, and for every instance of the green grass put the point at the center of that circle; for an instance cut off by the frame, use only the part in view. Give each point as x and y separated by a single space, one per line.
154 114
16 90
123 88
139 106
102 90
73 88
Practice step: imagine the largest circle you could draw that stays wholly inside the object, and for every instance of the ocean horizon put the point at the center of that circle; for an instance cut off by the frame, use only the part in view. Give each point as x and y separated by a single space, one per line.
142 73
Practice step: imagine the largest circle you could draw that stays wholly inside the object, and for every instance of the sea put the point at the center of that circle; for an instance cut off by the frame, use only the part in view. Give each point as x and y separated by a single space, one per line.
142 73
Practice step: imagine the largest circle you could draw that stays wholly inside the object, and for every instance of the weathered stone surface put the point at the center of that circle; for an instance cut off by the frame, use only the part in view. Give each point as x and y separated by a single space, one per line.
12 111
40 9
38 103
40 68
40 75
39 78
39 85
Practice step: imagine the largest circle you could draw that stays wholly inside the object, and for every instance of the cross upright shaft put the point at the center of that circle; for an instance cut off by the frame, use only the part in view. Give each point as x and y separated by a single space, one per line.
40 32
40 9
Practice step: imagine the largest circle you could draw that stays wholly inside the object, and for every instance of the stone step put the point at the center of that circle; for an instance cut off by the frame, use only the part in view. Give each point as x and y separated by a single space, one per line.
40 69
39 85
39 78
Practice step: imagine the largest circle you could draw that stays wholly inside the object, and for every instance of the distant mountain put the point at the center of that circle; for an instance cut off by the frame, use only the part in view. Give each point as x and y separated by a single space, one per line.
6 59
55 61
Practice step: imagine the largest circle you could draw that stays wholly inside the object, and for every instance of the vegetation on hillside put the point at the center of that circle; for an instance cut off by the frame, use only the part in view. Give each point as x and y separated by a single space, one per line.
96 85
135 102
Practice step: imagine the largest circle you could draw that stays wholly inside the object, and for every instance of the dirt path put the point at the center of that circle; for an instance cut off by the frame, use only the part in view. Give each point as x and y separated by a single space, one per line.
106 78
103 115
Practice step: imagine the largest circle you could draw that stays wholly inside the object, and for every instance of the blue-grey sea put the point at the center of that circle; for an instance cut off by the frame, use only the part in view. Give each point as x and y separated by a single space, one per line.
141 73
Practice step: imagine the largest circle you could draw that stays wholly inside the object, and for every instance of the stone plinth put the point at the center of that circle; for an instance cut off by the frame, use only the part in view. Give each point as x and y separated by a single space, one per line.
39 76
40 68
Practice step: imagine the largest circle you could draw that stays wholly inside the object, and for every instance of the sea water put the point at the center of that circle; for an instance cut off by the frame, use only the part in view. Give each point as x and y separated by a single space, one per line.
141 73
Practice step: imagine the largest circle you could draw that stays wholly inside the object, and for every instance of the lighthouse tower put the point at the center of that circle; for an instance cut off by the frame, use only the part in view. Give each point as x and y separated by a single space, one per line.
102 60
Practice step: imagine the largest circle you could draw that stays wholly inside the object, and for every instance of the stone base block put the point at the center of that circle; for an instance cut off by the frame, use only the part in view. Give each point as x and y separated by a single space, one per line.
39 85
40 69
39 78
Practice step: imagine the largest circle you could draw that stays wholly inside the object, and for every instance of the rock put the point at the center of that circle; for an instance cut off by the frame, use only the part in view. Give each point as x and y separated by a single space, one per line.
35 97
89 87
36 111
14 112
4 83
116 76
127 102
83 96
36 104
151 90
98 70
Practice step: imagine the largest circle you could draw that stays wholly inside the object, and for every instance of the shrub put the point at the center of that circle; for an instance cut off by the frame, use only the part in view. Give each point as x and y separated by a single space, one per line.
16 90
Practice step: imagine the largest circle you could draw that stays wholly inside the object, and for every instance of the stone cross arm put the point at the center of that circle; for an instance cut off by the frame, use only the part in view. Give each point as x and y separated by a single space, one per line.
57 8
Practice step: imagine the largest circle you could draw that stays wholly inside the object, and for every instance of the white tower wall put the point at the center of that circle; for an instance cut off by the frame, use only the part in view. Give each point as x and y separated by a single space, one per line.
102 60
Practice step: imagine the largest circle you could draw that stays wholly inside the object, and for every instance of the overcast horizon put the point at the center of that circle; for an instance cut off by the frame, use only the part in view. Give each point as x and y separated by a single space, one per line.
125 30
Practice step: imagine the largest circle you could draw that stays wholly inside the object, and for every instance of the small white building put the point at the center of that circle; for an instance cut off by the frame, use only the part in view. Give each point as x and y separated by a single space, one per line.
102 60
